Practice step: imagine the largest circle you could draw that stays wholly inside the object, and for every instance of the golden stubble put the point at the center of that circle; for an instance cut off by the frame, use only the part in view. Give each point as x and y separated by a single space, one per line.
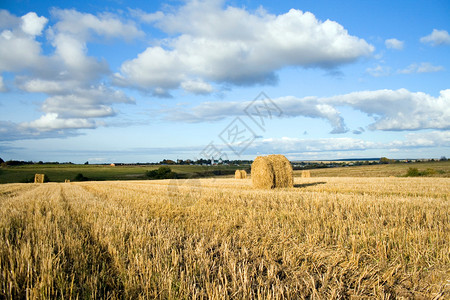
326 238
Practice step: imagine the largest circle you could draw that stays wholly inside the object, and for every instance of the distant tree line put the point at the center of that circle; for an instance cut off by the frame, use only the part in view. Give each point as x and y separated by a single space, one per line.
22 163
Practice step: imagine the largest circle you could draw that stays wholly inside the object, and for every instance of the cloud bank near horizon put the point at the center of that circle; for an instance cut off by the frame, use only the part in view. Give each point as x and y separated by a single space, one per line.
391 110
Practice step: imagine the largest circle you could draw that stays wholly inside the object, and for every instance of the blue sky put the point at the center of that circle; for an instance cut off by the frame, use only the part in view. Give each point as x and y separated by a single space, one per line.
140 81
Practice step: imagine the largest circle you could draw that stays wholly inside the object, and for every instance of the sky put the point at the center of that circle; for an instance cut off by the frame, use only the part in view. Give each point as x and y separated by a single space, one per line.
142 81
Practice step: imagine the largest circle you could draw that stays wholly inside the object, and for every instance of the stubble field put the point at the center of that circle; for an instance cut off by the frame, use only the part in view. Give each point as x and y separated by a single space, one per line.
327 238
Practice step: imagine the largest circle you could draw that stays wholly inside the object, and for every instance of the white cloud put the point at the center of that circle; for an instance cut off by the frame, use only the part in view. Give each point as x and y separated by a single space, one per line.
10 131
424 67
75 63
18 51
299 146
399 109
393 110
394 44
436 38
68 76
32 24
197 87
290 107
423 139
51 121
235 46
37 85
94 102
379 71
84 25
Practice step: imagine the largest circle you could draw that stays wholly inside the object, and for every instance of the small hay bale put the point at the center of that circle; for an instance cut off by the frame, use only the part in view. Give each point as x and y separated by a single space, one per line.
67 180
39 178
240 174
306 174
272 171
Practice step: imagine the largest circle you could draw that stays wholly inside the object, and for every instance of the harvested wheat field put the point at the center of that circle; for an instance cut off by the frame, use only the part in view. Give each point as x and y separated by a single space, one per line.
326 238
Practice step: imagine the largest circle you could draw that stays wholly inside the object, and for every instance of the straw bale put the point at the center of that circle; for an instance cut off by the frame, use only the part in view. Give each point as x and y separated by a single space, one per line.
240 174
306 174
39 178
272 171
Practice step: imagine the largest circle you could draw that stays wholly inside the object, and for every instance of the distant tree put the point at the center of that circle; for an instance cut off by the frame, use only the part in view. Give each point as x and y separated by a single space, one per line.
80 177
1 160
443 158
161 173
385 160
86 163
167 162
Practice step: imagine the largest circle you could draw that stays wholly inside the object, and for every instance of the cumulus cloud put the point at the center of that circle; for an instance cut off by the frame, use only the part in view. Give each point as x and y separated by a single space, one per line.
51 121
233 45
10 131
423 140
72 106
94 102
72 53
399 109
424 67
394 44
19 51
197 87
436 38
85 25
392 110
32 24
68 76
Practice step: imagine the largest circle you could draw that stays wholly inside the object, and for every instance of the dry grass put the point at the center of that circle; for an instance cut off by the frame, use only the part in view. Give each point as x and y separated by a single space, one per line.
272 171
442 170
328 238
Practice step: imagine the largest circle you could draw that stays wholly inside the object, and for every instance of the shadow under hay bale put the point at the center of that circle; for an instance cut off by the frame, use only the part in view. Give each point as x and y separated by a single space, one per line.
305 185
272 171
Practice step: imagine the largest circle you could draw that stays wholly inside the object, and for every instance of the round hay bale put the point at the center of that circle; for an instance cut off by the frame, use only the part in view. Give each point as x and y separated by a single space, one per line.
240 174
39 178
272 171
306 174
